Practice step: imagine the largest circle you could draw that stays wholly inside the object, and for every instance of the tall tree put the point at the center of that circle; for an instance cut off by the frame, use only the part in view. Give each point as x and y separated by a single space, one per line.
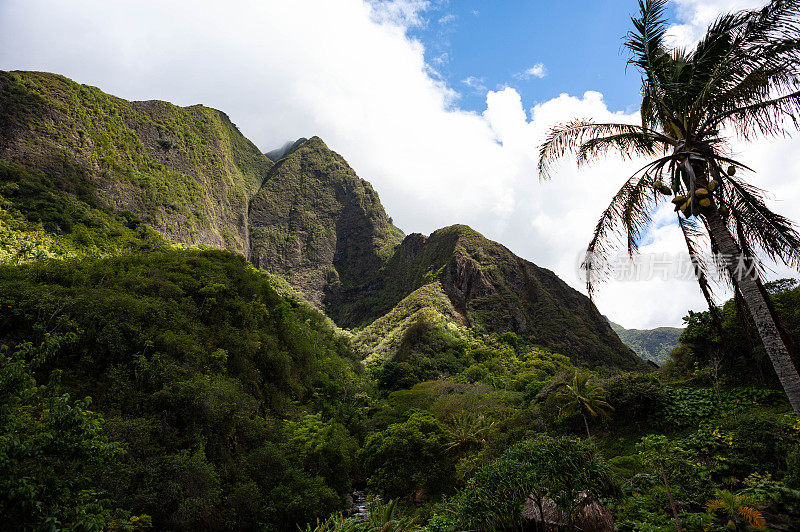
585 396
743 77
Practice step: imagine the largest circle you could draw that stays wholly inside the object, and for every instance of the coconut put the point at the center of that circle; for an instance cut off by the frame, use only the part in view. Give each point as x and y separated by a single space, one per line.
705 202
731 170
712 185
701 192
678 200
661 187
724 210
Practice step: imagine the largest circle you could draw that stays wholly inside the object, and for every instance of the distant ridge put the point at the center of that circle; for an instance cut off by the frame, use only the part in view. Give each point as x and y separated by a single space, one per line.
654 345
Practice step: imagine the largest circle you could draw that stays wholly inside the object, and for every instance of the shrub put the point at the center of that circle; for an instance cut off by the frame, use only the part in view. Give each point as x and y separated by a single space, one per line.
556 468
409 458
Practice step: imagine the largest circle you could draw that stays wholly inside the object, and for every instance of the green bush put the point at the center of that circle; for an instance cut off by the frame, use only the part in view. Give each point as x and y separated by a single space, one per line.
556 468
409 459
49 445
231 403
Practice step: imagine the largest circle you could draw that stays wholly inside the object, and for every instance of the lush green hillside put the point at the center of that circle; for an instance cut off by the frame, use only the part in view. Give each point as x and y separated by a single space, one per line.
37 220
228 405
90 170
735 349
185 171
654 345
487 289
147 382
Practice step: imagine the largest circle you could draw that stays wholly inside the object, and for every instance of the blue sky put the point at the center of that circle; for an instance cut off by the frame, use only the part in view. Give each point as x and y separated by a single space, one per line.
492 43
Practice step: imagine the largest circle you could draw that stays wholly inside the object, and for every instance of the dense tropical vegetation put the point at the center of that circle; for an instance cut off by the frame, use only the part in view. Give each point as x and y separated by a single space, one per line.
216 400
150 383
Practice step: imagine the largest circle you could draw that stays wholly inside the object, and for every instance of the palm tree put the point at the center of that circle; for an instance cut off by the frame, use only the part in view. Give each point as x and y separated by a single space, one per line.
467 430
743 76
586 397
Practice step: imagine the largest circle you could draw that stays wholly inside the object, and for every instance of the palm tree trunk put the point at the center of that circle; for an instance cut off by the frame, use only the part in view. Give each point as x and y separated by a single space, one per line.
586 424
758 307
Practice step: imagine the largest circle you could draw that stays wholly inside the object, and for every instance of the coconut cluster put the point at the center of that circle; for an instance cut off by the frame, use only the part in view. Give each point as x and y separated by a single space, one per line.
699 202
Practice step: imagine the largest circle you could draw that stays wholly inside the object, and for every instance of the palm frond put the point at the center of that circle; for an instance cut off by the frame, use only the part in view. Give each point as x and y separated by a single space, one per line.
775 235
749 61
628 145
628 214
752 517
764 117
646 41
571 137
692 235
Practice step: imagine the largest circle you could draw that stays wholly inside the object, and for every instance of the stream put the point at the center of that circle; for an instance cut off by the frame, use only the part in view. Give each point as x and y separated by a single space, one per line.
360 505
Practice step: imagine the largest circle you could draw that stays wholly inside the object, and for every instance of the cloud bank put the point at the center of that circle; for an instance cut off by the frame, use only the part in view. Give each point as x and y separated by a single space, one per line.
347 70
696 15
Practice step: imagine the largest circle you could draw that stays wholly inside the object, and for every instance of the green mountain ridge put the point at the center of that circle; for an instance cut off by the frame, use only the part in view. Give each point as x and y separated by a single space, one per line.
190 175
186 171
654 345
487 288
317 223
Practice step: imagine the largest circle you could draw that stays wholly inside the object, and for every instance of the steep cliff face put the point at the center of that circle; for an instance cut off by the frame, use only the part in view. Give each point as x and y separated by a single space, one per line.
490 289
186 171
107 165
317 223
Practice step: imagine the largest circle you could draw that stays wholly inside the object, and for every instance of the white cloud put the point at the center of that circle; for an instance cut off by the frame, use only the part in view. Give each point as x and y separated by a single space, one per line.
696 15
347 71
441 59
536 71
404 13
447 19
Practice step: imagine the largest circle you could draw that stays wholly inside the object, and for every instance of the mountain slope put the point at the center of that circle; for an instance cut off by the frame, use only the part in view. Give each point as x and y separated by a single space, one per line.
317 223
489 289
654 345
188 173
232 406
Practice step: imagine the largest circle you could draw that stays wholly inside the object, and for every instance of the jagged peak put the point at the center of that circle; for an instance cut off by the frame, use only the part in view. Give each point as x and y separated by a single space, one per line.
316 142
303 143
287 149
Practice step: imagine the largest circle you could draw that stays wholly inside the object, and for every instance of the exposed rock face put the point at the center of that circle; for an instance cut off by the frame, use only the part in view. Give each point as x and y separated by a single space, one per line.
494 290
186 171
191 175
317 223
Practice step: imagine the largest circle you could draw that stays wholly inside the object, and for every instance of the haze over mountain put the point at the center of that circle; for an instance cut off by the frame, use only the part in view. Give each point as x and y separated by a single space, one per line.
654 345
